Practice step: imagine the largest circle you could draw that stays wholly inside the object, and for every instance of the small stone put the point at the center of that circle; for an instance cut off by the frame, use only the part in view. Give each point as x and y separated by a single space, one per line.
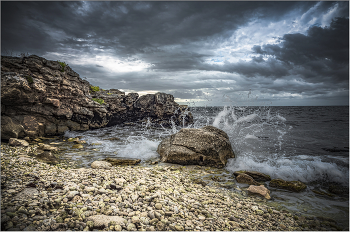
238 205
135 219
158 206
168 213
160 226
179 228
117 228
151 214
131 227
283 227
71 194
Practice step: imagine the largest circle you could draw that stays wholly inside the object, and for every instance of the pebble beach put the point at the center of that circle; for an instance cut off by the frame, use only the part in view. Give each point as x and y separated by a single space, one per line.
36 196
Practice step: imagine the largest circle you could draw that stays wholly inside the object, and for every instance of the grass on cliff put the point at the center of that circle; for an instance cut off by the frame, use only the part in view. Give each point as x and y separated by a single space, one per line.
29 79
99 100
94 89
63 64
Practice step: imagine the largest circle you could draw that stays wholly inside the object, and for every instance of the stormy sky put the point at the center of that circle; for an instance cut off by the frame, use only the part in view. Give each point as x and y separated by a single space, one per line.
204 53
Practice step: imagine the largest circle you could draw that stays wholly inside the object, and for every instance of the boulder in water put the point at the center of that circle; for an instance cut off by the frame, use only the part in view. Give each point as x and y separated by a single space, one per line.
258 176
295 186
208 146
122 161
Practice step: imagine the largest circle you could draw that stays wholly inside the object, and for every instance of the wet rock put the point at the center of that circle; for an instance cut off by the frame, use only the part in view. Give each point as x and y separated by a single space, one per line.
206 146
18 142
47 147
260 190
101 165
245 179
338 189
47 157
113 139
78 146
122 161
257 176
295 186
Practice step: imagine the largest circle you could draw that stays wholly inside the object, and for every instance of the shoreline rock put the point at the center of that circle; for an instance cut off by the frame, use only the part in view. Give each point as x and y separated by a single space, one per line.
205 146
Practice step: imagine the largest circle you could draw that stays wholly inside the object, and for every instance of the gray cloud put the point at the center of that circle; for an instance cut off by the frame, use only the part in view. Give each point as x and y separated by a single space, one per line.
193 49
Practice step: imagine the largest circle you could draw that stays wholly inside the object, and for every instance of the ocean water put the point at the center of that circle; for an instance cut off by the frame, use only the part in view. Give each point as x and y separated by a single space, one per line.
309 144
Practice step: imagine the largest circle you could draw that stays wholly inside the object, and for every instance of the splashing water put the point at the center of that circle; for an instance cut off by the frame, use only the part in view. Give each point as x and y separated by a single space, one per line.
257 138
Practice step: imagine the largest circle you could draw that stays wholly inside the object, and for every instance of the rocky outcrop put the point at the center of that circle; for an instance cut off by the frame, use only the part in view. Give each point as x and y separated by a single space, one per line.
42 97
206 146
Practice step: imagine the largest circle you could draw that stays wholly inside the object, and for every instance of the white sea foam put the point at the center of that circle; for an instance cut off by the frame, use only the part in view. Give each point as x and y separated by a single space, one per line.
257 139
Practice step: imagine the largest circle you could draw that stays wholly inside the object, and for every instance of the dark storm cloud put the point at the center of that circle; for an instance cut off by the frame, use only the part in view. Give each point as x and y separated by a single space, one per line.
178 39
127 27
321 53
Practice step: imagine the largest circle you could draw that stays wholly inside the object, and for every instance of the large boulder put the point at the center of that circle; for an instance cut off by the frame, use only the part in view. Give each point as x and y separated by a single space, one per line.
41 97
11 129
208 146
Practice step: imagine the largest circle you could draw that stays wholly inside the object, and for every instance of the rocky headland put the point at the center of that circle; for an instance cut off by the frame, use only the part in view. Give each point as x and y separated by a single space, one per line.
42 97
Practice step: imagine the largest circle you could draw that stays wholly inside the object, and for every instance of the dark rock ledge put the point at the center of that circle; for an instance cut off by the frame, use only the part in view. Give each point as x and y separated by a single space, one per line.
40 97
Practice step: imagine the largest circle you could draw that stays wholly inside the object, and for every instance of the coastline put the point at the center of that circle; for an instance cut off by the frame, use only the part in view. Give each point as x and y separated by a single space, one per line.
38 196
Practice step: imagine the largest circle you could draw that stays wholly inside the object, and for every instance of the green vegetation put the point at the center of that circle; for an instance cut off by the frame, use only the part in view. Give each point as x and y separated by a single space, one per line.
109 93
30 79
63 64
94 89
99 100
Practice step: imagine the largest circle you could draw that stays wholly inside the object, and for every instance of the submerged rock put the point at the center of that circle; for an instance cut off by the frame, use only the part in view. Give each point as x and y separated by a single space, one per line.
122 161
338 189
295 186
205 146
258 176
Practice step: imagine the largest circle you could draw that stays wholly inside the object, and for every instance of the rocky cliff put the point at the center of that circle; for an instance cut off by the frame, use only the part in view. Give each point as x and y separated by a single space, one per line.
42 97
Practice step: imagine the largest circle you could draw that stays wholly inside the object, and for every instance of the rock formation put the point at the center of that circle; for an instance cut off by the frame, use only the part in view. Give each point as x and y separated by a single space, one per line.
42 97
206 146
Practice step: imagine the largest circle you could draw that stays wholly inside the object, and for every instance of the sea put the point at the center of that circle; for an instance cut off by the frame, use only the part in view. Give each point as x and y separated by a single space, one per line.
305 143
